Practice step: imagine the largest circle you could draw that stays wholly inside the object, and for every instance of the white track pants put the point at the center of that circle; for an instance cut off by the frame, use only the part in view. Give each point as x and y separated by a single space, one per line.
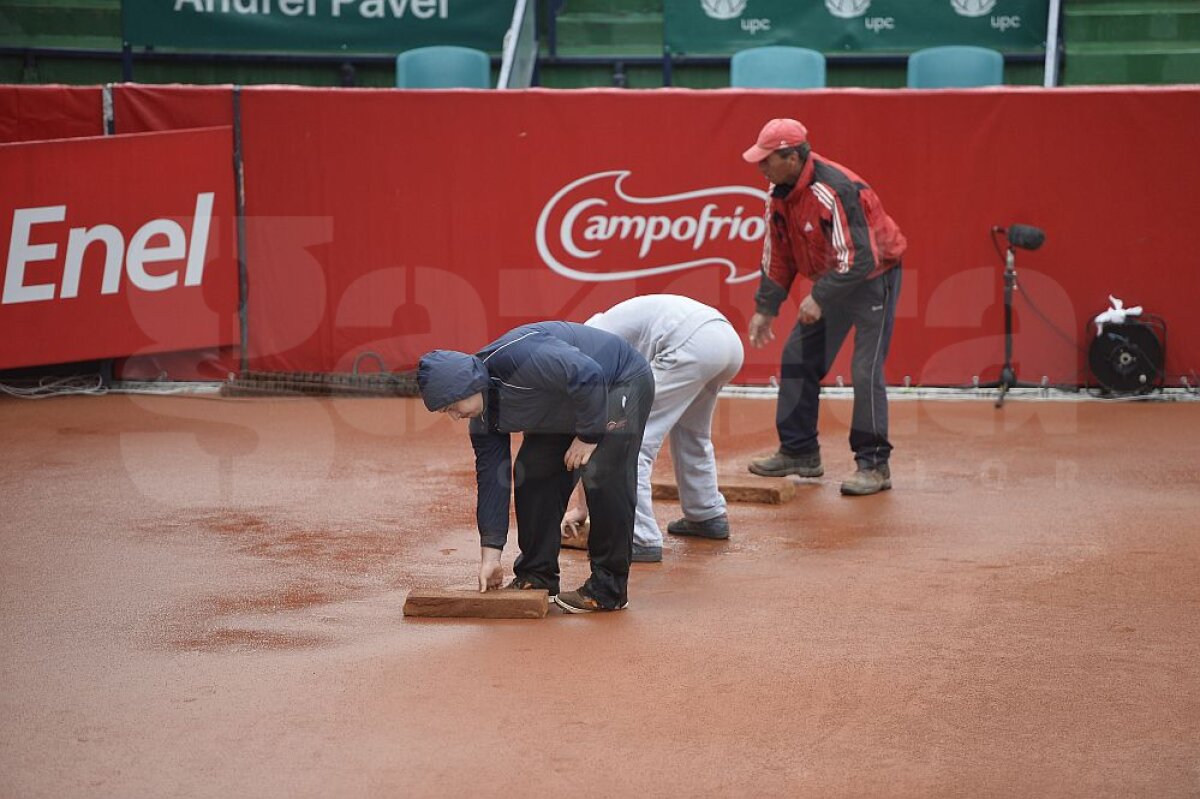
686 382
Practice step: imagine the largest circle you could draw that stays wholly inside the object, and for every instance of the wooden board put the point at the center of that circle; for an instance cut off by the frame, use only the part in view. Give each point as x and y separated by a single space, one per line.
769 490
470 604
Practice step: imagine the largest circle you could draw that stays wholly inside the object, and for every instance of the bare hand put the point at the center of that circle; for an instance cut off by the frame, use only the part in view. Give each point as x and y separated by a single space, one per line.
760 330
578 455
569 526
809 310
490 570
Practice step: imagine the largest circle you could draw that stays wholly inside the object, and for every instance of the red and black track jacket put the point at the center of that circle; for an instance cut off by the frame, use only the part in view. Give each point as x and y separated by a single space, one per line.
829 227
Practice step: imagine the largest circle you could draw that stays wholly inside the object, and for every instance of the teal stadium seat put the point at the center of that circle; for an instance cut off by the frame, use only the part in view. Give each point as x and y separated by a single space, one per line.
777 67
443 67
955 66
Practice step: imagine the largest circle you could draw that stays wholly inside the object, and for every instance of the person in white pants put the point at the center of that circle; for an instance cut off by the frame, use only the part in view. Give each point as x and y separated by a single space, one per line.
693 351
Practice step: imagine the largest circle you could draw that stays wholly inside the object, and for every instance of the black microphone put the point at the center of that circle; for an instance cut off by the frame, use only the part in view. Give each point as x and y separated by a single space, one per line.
1024 237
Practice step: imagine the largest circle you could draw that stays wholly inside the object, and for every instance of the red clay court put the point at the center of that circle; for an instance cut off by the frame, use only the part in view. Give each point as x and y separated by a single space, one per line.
202 597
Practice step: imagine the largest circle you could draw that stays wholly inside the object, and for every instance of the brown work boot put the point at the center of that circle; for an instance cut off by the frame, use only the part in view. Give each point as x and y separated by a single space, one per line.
868 481
781 464
579 602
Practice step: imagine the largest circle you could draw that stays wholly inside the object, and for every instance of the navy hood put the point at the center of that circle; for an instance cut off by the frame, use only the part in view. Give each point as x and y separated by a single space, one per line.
446 376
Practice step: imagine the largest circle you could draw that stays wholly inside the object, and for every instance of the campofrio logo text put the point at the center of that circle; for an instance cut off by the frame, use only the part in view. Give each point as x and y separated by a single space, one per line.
592 230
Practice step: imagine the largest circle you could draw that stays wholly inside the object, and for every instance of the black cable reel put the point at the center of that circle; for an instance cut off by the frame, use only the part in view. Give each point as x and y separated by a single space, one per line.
1128 358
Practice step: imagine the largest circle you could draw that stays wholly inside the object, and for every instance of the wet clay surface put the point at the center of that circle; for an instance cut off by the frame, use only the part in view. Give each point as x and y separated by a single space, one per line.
202 597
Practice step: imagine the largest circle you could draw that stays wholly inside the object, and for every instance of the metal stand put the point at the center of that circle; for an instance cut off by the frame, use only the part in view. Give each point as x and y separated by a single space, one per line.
1008 375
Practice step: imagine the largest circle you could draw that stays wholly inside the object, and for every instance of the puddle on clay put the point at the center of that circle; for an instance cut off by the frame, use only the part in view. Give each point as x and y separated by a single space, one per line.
204 627
292 597
226 639
312 568
353 551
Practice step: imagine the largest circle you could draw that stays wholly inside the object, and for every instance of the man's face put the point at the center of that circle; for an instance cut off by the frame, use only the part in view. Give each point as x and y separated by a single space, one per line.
779 169
465 408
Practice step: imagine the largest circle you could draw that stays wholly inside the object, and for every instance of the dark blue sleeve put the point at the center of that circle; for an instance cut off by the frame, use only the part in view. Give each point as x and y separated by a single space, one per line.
583 379
493 476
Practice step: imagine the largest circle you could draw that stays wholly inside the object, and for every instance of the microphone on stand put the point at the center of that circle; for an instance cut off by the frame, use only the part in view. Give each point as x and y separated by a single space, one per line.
1023 237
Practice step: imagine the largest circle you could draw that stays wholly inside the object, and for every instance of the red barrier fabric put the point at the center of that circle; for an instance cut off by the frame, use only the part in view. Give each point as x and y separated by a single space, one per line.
140 109
33 113
393 221
117 245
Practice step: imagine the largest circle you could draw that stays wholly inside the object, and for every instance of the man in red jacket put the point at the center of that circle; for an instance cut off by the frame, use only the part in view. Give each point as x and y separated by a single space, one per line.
826 225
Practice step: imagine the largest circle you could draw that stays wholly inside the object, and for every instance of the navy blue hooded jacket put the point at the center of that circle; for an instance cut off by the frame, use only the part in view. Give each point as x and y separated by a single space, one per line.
547 377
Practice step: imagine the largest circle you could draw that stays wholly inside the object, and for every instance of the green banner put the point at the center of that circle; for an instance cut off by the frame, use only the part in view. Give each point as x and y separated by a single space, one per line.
719 27
326 26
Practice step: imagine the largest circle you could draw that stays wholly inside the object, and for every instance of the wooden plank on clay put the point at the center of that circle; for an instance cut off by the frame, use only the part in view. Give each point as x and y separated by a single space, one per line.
769 490
470 604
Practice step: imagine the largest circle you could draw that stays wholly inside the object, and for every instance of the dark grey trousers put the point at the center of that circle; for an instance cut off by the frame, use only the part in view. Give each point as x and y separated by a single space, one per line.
810 351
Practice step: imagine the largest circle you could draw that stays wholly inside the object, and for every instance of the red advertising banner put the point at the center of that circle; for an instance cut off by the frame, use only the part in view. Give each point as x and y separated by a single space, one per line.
117 245
396 223
393 222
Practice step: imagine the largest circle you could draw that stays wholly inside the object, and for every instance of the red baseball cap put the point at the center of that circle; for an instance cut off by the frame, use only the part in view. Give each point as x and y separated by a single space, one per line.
776 135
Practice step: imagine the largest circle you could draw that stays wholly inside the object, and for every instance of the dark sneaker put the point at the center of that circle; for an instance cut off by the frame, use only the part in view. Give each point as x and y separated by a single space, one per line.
521 584
868 481
579 602
646 554
717 527
781 464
